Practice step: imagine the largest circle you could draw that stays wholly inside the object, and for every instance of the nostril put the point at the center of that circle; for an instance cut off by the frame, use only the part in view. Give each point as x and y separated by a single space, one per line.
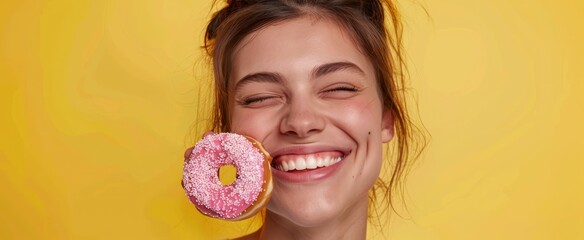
302 124
302 133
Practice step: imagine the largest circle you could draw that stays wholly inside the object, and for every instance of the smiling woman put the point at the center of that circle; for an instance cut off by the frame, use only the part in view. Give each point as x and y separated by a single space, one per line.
319 84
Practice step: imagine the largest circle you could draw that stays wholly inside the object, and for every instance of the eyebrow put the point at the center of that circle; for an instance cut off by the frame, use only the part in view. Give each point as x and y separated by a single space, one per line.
329 68
268 77
319 71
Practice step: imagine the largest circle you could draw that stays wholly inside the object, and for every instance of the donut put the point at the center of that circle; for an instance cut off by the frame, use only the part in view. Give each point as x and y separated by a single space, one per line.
245 196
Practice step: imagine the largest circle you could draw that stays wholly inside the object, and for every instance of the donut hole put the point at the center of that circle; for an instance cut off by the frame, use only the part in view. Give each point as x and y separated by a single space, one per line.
227 174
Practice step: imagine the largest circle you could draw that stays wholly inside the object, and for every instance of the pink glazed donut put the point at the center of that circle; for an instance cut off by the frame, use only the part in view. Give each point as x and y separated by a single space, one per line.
244 197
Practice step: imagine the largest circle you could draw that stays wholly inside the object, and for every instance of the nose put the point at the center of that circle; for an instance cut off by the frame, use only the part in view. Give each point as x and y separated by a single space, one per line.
302 120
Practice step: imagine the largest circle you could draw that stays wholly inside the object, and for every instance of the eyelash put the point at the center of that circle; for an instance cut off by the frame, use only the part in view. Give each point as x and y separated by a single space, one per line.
342 88
252 100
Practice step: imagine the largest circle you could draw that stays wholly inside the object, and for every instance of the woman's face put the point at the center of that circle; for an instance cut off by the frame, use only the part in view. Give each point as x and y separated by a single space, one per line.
303 89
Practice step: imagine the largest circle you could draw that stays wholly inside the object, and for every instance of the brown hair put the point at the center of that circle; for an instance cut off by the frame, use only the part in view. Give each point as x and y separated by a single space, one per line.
364 20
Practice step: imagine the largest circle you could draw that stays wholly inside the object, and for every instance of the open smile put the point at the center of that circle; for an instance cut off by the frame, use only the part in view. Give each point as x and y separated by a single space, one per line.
288 163
307 164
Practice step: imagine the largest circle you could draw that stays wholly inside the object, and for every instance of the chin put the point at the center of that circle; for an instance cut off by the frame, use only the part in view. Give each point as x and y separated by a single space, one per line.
317 210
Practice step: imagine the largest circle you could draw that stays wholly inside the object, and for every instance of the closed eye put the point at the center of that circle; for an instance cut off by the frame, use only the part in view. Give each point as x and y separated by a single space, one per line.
251 100
255 100
342 88
340 91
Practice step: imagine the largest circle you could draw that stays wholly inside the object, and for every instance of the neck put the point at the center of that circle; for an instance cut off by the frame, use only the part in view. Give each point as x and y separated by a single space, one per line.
351 224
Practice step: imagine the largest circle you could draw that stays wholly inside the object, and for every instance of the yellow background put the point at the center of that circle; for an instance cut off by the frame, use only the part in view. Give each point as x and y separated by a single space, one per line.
99 99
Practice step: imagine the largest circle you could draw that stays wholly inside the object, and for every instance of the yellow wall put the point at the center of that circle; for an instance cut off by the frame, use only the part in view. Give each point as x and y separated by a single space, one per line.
98 99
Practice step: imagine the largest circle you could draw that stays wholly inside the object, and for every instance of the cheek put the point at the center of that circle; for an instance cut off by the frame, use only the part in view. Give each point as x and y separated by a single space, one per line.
255 124
361 120
361 117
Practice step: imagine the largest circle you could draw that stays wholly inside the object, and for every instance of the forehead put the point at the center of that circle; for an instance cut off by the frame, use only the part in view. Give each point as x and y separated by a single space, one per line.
292 46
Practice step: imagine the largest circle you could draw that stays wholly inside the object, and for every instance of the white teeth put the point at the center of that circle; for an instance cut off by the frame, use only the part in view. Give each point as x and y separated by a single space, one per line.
307 162
319 162
300 163
326 161
310 162
291 165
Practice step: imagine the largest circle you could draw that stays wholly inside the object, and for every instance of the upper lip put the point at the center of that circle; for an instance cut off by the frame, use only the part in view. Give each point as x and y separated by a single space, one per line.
306 150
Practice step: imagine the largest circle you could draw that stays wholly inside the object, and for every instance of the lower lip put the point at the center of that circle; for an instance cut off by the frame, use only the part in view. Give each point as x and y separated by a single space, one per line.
308 175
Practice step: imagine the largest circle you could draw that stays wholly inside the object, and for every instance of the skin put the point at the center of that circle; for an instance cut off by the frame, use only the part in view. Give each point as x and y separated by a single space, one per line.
294 108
